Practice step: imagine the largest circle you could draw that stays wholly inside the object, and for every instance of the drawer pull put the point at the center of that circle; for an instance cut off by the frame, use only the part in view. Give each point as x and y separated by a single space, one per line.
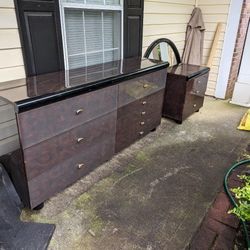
194 105
144 103
141 133
142 123
80 166
143 113
79 111
197 91
80 139
145 85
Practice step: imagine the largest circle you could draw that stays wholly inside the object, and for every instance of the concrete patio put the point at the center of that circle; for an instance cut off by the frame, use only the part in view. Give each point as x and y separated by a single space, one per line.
154 194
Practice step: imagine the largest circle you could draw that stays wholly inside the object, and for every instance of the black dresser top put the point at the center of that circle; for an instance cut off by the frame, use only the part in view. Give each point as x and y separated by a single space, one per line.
36 91
187 70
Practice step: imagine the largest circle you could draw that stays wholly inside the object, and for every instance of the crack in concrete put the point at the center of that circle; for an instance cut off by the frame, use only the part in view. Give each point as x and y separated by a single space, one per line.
155 182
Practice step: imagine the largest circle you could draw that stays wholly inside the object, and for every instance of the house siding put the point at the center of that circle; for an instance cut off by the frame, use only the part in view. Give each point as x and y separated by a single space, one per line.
168 18
11 59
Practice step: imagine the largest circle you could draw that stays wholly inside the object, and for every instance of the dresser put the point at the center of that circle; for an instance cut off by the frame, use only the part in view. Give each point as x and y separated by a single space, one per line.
70 122
185 90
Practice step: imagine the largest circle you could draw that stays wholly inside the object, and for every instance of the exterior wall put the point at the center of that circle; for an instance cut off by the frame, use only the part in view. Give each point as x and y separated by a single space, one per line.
241 36
11 59
168 18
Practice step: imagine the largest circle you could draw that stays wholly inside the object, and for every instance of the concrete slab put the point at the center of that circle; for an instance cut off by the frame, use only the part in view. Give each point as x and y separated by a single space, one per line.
154 194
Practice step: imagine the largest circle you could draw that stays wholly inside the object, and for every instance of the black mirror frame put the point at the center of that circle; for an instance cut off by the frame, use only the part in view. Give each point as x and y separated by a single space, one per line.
169 42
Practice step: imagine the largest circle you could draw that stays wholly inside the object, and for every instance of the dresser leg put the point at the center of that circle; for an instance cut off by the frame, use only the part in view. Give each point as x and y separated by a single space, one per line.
39 207
197 110
153 130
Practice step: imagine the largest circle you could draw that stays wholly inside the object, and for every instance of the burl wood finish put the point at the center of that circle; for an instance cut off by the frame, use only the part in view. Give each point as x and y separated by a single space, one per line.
48 121
59 146
47 154
140 87
184 96
137 119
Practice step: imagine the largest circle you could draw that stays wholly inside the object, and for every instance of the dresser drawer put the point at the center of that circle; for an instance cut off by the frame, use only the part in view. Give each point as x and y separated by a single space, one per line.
138 119
43 123
43 156
140 87
67 172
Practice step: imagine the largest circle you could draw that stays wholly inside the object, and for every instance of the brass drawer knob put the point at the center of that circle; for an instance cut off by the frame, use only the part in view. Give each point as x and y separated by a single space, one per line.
143 113
141 132
145 85
144 103
80 139
142 123
79 111
194 105
80 166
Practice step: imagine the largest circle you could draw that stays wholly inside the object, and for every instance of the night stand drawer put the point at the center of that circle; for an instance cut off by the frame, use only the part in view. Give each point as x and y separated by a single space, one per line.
198 85
49 153
140 87
48 121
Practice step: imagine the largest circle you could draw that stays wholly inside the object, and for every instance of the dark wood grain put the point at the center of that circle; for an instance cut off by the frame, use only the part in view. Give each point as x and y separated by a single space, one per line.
184 94
48 121
46 155
137 119
140 87
66 173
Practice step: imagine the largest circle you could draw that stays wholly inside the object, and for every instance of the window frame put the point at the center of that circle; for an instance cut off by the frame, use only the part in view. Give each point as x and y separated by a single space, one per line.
85 6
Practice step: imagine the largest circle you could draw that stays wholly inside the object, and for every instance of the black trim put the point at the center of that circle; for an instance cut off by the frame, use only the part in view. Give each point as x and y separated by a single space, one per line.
198 73
163 40
25 105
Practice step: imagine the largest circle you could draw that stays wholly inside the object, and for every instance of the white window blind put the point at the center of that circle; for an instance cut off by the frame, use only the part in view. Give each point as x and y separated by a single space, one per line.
92 32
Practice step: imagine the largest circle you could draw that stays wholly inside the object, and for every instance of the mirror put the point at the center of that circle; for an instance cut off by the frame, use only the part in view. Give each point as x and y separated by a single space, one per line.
163 52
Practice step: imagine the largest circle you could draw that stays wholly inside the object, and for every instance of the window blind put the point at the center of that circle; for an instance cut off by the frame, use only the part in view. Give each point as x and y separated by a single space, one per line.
92 36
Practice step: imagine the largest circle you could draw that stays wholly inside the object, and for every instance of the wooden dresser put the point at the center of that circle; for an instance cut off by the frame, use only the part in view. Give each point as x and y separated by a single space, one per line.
185 91
71 122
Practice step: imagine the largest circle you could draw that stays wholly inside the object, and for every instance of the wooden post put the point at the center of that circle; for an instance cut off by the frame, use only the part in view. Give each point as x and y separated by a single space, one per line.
214 46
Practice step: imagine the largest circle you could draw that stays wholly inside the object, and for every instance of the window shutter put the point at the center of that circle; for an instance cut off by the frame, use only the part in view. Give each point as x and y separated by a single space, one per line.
133 27
39 25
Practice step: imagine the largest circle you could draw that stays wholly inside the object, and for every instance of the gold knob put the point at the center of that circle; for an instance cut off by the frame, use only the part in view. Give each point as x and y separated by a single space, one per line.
79 111
145 85
81 165
80 139
194 105
144 103
142 123
143 113
141 133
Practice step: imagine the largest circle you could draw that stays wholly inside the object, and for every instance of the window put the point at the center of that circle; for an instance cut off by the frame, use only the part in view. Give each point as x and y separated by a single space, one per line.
92 31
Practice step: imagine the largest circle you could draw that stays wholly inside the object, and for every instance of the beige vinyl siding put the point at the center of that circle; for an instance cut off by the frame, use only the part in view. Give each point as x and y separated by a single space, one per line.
213 12
11 68
168 18
11 59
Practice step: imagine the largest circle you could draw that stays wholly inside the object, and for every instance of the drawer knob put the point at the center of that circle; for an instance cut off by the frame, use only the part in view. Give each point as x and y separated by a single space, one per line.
141 132
197 91
79 111
80 139
80 166
145 85
194 105
142 123
144 103
143 113
199 81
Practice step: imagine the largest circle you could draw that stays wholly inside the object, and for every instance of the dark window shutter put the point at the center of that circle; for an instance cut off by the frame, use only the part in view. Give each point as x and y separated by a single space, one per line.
40 31
133 27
